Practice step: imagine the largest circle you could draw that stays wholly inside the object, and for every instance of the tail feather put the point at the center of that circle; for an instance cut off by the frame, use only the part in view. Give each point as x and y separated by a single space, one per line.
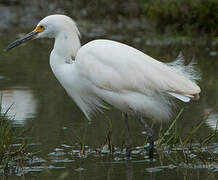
188 70
184 98
191 90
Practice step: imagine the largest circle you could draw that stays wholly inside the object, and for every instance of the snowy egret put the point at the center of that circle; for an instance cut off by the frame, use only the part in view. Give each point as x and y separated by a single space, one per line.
105 71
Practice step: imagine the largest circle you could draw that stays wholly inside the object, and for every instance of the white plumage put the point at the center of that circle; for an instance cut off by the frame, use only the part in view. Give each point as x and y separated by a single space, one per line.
112 72
130 80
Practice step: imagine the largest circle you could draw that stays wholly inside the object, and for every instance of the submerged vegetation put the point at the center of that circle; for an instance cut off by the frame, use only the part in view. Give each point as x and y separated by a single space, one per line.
172 137
171 145
191 151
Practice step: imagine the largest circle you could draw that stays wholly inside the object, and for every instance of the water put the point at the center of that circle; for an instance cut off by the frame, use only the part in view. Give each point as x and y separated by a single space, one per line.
21 102
58 128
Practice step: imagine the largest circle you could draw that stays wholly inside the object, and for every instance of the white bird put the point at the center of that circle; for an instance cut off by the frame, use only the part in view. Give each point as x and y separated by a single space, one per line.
108 72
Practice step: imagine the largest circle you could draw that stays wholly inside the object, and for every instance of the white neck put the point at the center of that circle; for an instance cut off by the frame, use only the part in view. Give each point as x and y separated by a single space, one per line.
66 45
65 48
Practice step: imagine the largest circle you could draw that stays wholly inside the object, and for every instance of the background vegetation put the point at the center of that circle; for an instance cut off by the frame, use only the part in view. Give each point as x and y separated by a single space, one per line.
183 16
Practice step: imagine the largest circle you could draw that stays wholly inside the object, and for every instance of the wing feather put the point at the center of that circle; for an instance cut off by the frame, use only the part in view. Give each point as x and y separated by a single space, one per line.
117 67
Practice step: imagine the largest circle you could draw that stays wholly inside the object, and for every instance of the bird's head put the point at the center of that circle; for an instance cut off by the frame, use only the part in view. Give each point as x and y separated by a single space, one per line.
49 27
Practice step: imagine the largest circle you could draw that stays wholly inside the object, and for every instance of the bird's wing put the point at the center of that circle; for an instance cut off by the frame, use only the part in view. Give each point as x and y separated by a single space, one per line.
117 67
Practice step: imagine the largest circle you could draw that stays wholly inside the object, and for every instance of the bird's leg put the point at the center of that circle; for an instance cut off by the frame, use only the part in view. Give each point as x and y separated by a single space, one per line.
149 133
128 137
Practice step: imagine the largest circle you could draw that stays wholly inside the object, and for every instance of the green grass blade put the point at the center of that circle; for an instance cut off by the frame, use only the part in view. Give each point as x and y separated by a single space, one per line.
171 126
193 132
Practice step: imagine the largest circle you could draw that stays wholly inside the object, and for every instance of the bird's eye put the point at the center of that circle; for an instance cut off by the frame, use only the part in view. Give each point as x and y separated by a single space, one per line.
42 27
39 29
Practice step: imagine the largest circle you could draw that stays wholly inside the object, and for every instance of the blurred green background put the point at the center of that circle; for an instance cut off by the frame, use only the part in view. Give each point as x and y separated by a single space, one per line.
186 17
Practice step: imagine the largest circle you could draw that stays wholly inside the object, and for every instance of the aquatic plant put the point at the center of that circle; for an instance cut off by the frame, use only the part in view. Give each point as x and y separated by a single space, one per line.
13 145
171 145
171 136
185 149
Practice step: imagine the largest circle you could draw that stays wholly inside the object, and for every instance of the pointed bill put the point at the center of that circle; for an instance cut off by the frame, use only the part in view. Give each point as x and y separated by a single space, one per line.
27 37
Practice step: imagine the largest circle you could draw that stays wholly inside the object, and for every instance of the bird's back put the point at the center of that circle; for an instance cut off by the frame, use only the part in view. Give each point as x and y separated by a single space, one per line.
129 79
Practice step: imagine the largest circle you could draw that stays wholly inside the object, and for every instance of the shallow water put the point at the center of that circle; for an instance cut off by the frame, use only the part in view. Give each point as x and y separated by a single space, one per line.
58 127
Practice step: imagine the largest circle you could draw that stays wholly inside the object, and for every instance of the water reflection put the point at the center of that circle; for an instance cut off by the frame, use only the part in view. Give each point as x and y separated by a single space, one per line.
58 121
21 104
129 171
212 118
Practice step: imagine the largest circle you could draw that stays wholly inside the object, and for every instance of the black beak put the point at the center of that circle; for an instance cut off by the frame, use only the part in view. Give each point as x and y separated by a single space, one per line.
27 37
